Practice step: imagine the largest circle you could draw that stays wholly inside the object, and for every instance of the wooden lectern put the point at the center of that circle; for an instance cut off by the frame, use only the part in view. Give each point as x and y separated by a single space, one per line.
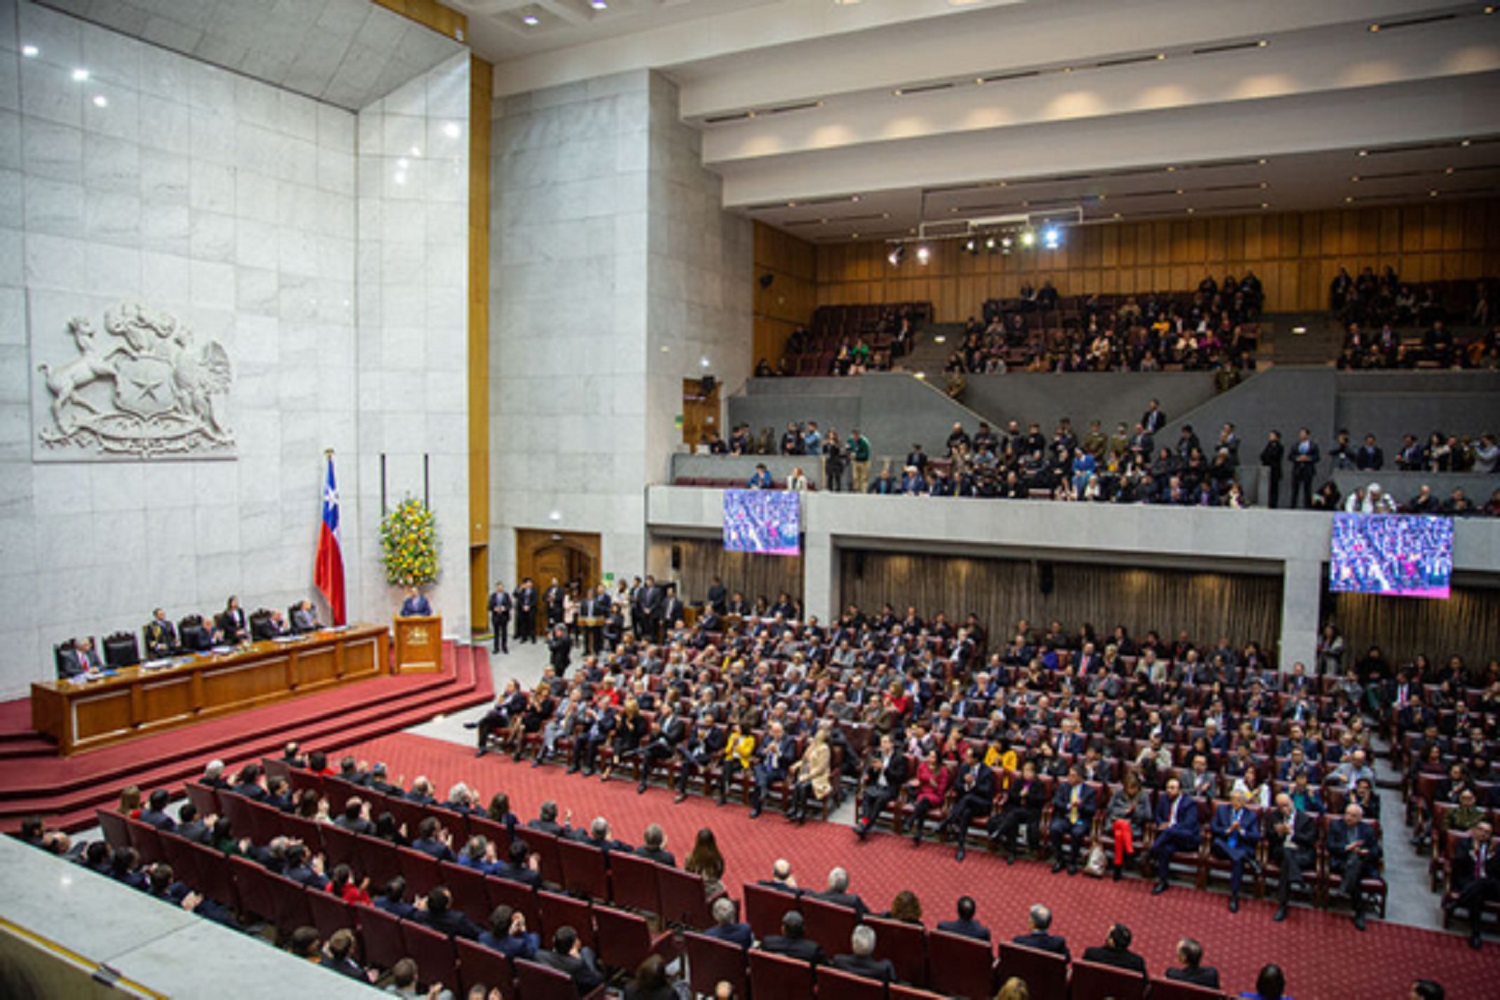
419 644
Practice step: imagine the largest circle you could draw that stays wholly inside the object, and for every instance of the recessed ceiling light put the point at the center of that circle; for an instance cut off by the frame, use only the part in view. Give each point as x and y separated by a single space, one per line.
1348 199
1264 185
1265 204
1449 170
30 51
1432 194
1364 152
100 101
1262 161
1355 178
530 20
854 197
1171 170
1179 190
452 130
1191 211
599 4
897 91
80 75
1160 56
1119 216
1374 27
1465 142
854 236
1262 43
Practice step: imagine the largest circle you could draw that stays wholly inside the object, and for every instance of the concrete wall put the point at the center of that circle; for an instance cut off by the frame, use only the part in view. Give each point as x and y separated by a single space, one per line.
1108 397
1293 544
741 468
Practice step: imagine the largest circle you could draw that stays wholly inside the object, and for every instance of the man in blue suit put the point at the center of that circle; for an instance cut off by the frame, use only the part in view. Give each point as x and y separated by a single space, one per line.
415 605
1236 832
965 925
1177 830
725 927
1073 808
1353 854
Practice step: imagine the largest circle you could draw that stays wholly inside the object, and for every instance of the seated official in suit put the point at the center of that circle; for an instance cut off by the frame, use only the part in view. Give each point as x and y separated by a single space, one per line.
1116 951
1476 877
725 927
415 605
863 961
233 624
1353 854
791 942
160 635
1190 954
304 618
79 661
1236 832
1177 830
440 916
838 892
508 934
567 955
965 925
1040 919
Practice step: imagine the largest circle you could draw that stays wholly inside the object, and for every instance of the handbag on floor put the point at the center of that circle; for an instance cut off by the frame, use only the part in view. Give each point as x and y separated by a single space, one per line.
1097 863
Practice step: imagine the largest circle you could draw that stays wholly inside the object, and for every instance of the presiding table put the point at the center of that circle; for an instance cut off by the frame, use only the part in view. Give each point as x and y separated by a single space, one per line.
137 701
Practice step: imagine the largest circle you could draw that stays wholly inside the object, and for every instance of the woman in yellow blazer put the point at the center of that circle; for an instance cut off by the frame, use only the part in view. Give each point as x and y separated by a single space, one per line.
811 775
739 757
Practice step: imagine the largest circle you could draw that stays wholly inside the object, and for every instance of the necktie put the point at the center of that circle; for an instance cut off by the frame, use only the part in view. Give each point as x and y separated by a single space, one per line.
1234 838
1479 860
1172 816
1073 804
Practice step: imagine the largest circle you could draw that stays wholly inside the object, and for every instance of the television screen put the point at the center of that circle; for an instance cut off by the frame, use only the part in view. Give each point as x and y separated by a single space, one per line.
765 521
1391 554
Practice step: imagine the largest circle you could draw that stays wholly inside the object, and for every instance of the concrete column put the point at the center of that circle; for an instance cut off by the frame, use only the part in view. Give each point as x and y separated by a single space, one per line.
820 569
1301 589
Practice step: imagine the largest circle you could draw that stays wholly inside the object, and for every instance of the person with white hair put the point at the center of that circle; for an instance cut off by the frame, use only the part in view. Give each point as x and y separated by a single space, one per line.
863 961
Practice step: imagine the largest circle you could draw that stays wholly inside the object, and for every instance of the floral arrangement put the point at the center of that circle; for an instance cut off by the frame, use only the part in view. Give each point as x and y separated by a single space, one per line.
408 541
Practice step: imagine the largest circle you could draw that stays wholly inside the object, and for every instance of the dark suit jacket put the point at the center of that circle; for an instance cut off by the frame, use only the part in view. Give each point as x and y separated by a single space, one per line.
1120 958
968 928
415 606
848 899
1341 835
1203 975
733 933
1464 860
453 923
1088 802
584 974
1044 942
659 855
1187 816
870 968
799 948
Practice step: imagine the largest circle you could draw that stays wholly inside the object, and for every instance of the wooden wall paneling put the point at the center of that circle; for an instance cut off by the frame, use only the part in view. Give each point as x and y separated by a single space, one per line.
431 14
481 91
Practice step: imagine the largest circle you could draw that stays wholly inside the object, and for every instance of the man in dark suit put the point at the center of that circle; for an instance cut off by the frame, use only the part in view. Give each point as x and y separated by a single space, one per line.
82 660
249 783
781 878
553 599
355 817
1154 419
1476 877
500 605
653 847
192 827
434 839
725 927
519 866
1305 458
965 925
508 934
974 786
155 812
791 943
1370 457
304 618
717 597
1073 808
838 892
698 753
415 605
161 636
546 821
776 754
672 608
440 915
1292 836
233 623
1353 853
862 961
560 650
598 835
1271 457
392 899
1116 951
1021 805
508 707
1236 832
1177 828
649 600
1190 954
668 732
885 773
303 867
525 600
1040 918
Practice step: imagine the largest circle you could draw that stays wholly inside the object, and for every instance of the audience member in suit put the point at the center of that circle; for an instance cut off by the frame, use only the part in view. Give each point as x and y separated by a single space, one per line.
249 783
508 934
356 817
304 618
974 785
1021 805
519 867
1073 808
546 821
416 604
191 826
965 925
434 839
885 773
1190 954
161 636
338 955
302 867
1291 838
82 659
233 625
863 961
776 755
569 956
653 847
725 927
392 900
782 879
1476 877
1040 919
598 836
651 981
525 600
791 943
1353 853
500 605
838 892
440 916
1116 951
155 812
1236 832
1177 830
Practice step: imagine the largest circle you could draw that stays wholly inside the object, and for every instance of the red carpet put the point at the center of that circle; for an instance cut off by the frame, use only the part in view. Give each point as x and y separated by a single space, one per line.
67 790
1324 957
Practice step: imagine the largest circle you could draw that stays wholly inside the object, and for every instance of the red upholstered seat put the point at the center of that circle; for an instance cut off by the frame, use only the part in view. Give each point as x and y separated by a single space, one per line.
776 976
829 925
583 869
565 911
478 965
682 899
471 893
432 951
380 933
420 870
634 883
518 897
711 961
764 908
836 985
1044 972
537 982
1174 989
625 939
1092 981
330 913
905 945
959 965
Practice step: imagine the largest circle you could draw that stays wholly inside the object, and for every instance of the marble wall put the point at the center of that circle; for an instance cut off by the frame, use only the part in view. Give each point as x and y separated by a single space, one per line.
614 273
236 206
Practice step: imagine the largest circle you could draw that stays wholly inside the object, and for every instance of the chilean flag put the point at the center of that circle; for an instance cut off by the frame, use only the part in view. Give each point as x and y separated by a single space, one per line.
329 574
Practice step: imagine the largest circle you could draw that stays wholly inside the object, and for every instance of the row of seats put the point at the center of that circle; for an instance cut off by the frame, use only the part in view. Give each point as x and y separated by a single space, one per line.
123 649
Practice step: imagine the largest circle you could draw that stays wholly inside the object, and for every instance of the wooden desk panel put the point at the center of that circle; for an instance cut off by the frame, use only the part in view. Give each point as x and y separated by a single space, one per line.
135 701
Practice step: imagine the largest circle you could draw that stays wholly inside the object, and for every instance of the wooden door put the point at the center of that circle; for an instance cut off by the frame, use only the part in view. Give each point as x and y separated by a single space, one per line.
700 412
565 555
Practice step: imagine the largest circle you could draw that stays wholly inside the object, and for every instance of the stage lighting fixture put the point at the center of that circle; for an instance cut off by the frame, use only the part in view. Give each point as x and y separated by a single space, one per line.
897 255
1051 237
991 244
924 254
971 245
1028 238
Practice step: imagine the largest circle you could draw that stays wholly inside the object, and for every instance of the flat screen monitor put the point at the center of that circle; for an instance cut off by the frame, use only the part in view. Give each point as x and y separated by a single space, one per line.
1404 556
764 521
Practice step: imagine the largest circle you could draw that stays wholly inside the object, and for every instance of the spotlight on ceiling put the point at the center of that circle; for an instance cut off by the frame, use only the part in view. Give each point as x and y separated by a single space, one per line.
991 244
924 254
1051 237
1028 237
897 254
971 246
